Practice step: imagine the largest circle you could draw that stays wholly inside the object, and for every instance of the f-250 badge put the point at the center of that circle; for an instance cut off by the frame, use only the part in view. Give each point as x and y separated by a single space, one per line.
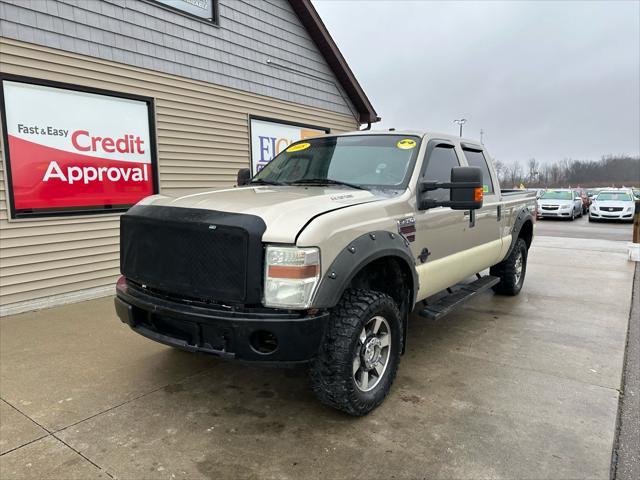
407 228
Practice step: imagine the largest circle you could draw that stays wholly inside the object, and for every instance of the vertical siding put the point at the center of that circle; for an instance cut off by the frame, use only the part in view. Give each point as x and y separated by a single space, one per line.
233 54
203 140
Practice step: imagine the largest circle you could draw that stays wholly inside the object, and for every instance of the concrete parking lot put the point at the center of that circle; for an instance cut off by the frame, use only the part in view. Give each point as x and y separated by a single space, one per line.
520 387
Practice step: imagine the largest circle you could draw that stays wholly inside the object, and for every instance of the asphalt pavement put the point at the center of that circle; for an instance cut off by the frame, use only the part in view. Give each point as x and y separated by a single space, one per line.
505 387
582 228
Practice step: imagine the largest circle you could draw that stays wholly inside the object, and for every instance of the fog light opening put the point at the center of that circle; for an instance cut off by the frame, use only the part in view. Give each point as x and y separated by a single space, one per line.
263 342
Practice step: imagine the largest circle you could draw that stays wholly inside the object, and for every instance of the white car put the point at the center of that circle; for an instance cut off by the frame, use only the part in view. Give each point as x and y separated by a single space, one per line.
560 203
612 205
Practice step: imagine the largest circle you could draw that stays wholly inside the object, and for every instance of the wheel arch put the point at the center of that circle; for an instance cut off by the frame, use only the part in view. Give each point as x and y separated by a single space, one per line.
522 228
359 264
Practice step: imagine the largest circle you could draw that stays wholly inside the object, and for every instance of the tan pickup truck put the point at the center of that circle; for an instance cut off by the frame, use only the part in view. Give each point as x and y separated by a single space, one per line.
321 257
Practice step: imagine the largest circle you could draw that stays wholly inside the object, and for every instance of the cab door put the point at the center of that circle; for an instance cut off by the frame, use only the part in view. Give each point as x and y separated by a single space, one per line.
439 231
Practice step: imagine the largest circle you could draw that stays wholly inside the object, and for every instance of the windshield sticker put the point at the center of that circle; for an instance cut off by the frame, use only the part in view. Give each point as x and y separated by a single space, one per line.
406 144
485 188
297 147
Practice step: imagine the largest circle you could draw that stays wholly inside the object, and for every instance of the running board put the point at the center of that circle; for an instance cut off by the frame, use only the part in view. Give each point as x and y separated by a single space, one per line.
459 295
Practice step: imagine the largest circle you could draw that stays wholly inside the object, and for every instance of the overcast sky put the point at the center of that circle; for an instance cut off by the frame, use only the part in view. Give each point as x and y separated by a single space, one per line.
549 80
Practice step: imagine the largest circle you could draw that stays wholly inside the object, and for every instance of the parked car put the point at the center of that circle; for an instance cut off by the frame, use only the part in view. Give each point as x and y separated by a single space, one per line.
560 203
613 205
322 255
586 201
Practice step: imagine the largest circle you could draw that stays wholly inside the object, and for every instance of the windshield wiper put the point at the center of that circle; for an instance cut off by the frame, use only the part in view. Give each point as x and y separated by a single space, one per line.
260 181
325 181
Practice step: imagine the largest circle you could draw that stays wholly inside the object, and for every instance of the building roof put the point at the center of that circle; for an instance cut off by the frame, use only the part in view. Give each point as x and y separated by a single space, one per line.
321 36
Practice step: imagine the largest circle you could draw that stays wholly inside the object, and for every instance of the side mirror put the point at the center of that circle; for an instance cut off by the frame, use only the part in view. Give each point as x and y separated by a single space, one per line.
244 176
465 187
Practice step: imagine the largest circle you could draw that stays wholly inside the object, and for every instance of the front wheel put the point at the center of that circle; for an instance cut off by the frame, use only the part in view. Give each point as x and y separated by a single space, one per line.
360 354
511 270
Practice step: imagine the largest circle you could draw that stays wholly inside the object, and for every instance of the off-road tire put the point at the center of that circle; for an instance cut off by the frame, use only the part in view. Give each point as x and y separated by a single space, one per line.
331 372
506 271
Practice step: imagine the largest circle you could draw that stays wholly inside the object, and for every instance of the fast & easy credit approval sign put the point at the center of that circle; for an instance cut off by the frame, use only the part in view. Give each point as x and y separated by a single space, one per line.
270 137
72 151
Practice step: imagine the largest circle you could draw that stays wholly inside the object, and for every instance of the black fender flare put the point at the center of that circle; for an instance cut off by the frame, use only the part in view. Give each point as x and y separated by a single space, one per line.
523 216
355 256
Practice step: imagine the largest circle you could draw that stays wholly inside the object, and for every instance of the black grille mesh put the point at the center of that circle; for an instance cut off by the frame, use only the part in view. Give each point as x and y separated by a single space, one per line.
194 253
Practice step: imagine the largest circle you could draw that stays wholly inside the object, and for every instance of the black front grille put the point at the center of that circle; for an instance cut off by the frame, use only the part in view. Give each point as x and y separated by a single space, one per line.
612 209
194 253
550 207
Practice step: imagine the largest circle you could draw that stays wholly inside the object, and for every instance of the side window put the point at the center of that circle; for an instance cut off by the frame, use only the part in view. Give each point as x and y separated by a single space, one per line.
476 159
439 165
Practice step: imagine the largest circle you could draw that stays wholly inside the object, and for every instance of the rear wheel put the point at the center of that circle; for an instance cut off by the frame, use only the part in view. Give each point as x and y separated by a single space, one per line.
511 270
359 357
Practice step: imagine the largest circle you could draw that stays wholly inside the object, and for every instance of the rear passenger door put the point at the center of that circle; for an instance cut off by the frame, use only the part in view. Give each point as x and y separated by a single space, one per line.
486 225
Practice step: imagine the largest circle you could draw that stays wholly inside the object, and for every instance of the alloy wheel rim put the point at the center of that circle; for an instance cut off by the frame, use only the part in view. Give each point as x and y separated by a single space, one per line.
518 267
372 354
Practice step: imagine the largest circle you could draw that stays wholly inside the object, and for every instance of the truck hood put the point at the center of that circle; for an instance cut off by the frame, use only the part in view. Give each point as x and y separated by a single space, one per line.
286 210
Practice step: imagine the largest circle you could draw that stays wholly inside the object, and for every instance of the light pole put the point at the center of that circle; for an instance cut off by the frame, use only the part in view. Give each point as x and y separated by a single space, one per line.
460 122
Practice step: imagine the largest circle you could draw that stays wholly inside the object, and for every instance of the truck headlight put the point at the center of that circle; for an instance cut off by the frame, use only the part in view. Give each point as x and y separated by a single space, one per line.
291 276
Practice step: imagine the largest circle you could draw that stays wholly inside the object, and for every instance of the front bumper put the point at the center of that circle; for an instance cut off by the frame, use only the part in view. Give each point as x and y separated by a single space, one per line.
603 214
219 330
554 213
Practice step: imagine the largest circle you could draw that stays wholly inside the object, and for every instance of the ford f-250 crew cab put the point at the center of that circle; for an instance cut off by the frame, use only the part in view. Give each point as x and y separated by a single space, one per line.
323 254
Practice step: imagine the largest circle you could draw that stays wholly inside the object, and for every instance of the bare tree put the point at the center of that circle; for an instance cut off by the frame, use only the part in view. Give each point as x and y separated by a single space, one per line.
533 168
499 167
514 174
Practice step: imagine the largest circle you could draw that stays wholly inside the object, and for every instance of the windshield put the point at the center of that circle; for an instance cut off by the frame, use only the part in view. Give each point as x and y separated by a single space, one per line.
363 161
557 195
617 196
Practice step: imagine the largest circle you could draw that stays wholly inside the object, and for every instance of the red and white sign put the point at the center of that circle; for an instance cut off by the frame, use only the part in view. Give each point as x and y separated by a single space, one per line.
71 150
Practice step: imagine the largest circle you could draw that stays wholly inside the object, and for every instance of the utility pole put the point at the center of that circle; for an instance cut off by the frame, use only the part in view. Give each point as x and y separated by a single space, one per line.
481 136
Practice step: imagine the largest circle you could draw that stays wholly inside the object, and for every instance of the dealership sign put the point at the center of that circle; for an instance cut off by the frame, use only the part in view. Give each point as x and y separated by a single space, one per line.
199 8
72 151
270 137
